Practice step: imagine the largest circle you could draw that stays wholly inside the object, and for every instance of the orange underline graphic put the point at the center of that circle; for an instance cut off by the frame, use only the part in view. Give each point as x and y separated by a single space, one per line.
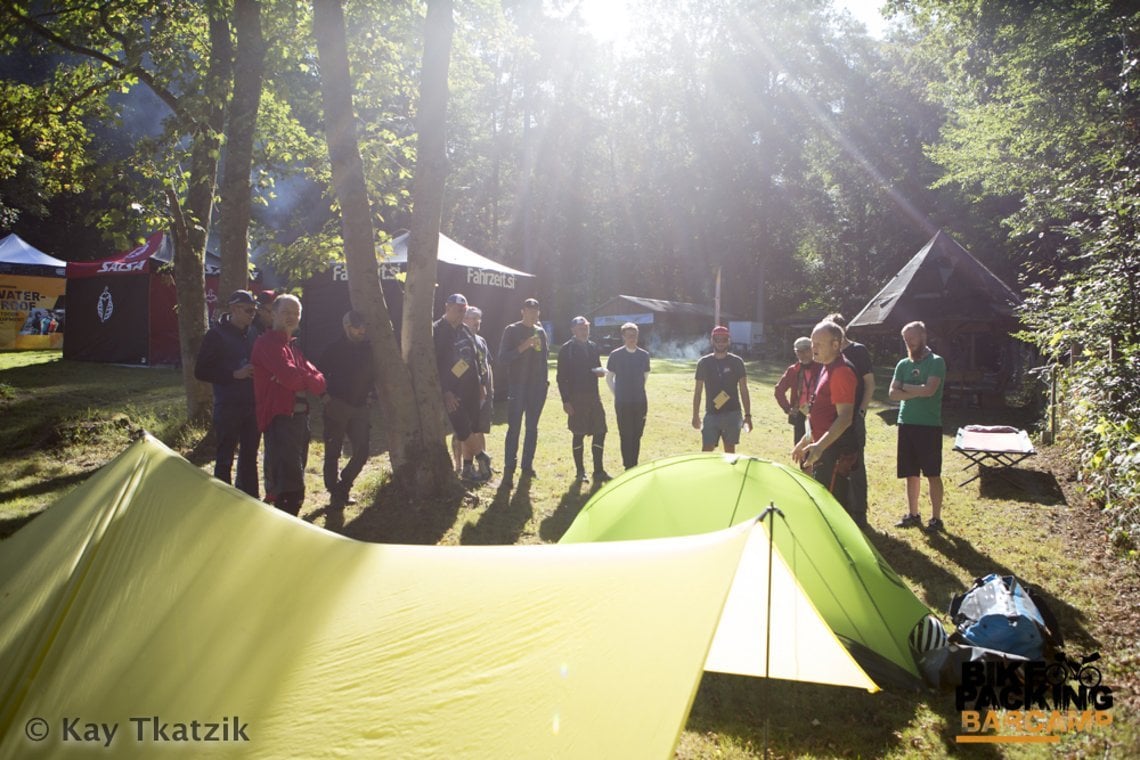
986 739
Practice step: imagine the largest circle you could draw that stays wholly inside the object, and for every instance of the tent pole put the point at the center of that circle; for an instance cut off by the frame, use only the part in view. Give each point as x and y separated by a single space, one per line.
769 513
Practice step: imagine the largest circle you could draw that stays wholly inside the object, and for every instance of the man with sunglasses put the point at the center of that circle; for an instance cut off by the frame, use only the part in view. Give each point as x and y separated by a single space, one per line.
224 361
726 380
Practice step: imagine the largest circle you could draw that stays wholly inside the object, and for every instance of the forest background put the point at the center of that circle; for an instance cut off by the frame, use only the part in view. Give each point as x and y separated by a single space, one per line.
774 139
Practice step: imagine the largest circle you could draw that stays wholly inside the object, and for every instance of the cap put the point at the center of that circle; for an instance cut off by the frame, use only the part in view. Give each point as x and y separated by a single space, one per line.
353 318
458 298
719 330
266 297
240 296
530 303
579 320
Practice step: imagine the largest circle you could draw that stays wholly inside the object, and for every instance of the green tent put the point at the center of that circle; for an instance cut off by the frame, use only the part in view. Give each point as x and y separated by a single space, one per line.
155 604
855 591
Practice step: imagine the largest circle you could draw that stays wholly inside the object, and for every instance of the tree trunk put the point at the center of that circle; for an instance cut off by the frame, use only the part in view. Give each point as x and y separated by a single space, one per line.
193 223
416 458
190 285
249 66
427 208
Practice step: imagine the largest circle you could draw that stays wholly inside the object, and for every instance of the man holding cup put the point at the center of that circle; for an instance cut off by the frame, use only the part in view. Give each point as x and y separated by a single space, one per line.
579 369
523 352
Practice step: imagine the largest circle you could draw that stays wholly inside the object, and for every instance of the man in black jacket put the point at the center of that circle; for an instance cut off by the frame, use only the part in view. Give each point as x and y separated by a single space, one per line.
461 377
523 353
579 369
347 367
224 361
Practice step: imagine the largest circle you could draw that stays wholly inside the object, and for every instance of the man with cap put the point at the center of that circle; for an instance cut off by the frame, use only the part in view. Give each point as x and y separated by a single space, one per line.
627 370
523 352
347 367
723 375
282 380
793 391
473 318
224 361
263 322
579 369
460 377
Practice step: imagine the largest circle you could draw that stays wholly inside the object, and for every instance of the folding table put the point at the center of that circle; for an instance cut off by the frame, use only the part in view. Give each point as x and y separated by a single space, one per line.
996 446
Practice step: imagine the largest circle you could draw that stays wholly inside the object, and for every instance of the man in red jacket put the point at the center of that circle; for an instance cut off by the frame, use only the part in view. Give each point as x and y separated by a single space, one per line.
796 385
281 377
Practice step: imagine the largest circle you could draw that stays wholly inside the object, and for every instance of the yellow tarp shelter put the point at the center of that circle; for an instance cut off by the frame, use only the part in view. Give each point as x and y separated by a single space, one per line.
154 606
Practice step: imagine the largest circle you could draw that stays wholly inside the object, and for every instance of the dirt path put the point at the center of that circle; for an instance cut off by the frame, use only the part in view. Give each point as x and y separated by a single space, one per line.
1117 620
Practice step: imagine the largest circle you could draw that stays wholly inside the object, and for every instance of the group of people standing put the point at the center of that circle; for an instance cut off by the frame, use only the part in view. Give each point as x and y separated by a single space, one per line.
466 377
262 382
524 352
825 395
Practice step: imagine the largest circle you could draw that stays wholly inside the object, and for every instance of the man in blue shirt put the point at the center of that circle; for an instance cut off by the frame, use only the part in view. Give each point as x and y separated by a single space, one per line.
626 371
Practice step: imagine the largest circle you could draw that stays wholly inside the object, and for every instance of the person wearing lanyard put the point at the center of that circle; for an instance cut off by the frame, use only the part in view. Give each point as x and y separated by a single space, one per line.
724 376
798 379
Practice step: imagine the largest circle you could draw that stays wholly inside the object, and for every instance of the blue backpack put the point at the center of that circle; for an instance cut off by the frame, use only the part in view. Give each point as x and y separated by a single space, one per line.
1000 613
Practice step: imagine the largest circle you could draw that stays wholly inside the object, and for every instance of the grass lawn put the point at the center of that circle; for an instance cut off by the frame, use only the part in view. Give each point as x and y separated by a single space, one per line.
59 421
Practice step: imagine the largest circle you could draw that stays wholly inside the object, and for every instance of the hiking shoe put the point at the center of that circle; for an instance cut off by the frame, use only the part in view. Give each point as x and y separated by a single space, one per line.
910 521
935 525
469 475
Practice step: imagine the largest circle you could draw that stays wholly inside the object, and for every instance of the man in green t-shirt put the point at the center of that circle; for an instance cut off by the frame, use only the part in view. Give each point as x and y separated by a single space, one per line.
917 384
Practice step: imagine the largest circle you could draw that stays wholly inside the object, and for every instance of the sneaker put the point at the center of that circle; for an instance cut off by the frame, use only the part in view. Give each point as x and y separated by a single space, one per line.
935 525
582 477
909 521
469 475
529 473
483 464
601 476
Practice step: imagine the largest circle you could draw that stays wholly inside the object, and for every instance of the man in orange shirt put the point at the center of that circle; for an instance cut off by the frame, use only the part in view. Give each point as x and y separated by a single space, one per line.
829 447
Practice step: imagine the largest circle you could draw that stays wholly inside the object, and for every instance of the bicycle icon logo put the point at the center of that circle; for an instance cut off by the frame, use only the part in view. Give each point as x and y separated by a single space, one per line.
1066 668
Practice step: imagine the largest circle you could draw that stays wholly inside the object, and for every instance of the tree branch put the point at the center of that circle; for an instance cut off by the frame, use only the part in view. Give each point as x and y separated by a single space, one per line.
143 75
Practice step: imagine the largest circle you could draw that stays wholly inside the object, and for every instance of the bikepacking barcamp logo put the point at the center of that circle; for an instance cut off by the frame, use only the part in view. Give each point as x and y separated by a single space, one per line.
1032 701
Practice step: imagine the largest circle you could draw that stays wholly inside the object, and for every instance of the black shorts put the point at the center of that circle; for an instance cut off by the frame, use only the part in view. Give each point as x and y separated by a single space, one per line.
919 451
589 418
465 420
